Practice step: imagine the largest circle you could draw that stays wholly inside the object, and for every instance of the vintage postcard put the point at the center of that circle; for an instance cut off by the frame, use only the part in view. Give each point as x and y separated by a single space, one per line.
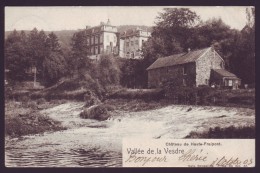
130 86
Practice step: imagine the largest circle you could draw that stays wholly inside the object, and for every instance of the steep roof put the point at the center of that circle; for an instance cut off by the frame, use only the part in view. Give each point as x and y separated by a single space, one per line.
129 32
224 73
176 59
134 32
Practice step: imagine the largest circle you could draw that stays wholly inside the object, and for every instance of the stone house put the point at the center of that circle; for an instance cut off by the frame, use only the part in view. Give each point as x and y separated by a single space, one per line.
192 68
131 42
102 39
105 38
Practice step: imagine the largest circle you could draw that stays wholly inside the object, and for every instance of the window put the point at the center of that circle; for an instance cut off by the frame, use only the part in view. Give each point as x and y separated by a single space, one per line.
127 44
92 40
136 42
230 82
132 43
96 50
101 38
101 49
206 81
88 41
185 70
96 39
184 82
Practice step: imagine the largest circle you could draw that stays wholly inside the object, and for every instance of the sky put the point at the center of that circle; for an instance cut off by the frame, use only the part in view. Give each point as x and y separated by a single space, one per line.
73 18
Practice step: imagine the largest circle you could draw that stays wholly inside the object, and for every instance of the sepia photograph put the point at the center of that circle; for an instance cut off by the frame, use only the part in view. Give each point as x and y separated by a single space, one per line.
129 86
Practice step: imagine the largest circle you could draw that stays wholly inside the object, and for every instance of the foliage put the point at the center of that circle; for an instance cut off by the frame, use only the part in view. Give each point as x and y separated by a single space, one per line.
23 52
145 94
108 70
178 29
230 132
16 59
25 119
78 59
133 73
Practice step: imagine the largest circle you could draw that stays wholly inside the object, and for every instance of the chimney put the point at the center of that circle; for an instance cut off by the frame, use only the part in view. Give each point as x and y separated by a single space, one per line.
108 22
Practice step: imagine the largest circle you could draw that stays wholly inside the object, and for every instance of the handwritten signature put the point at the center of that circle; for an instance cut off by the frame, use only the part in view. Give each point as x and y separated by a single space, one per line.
193 155
201 157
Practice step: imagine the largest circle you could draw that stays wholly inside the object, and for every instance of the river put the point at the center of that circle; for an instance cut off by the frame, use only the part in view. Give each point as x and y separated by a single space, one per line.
92 143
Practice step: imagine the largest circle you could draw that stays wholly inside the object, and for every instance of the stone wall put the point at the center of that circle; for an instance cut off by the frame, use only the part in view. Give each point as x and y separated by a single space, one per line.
156 77
198 73
210 60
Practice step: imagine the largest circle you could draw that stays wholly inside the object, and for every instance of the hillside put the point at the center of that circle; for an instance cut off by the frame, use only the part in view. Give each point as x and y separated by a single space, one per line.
66 35
63 35
122 28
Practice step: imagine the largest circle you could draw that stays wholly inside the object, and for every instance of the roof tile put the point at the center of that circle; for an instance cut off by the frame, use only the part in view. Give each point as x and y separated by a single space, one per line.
224 73
176 59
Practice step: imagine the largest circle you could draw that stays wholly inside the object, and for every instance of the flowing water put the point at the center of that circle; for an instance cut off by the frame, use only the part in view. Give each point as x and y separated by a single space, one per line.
92 143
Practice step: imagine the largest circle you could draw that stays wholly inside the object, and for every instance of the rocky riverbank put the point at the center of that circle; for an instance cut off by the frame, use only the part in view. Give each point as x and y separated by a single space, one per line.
25 118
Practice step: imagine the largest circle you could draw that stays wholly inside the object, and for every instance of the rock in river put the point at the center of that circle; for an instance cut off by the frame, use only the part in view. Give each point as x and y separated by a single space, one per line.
98 112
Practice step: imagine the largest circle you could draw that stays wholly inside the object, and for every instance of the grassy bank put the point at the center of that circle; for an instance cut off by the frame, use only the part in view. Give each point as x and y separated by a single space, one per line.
230 132
208 96
24 118
134 105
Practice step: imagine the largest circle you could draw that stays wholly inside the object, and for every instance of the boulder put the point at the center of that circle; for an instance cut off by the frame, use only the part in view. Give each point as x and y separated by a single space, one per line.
98 112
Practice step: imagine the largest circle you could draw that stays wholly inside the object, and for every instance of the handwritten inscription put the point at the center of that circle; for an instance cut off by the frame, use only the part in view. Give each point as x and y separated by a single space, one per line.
190 153
193 155
144 160
231 162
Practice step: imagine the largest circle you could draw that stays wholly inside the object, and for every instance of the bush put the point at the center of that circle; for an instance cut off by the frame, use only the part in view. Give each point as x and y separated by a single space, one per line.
247 100
60 101
91 99
243 132
31 123
144 94
32 104
98 112
109 107
40 101
22 98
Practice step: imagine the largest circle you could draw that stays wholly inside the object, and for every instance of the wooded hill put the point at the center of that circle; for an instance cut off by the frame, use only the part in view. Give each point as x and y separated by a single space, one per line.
65 36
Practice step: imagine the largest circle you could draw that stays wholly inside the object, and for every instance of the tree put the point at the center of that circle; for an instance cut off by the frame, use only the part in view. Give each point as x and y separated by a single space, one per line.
214 32
175 24
243 59
108 70
171 34
37 49
53 43
79 60
54 65
16 55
